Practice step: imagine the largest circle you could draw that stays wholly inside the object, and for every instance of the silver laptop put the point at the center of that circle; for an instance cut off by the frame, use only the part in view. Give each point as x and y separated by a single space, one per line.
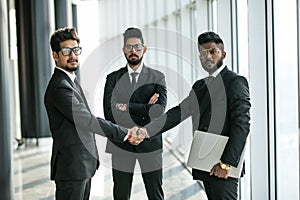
206 151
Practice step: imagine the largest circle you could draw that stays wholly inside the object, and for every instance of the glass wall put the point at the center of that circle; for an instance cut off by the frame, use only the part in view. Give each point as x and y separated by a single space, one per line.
286 99
267 57
243 69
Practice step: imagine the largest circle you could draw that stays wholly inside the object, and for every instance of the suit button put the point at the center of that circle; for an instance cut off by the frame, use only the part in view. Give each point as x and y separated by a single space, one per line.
205 128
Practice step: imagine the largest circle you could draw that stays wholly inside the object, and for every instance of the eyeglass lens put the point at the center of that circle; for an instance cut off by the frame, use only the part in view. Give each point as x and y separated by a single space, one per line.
205 52
67 51
137 47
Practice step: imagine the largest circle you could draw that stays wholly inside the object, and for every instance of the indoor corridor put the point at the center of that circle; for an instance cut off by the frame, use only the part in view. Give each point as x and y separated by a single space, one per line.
32 182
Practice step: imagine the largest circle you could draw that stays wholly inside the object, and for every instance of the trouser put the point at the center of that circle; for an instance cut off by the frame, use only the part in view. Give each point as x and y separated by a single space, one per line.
221 189
73 190
123 170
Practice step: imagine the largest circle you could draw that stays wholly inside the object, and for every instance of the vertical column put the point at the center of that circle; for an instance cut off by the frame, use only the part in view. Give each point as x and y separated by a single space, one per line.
262 123
42 68
5 137
74 16
202 16
225 29
61 13
33 32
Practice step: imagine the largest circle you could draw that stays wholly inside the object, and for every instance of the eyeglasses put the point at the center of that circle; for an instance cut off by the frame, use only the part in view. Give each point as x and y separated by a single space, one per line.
137 47
66 51
211 51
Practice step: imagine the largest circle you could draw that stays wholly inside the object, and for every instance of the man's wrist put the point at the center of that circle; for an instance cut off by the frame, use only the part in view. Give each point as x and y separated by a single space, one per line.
224 166
145 132
129 135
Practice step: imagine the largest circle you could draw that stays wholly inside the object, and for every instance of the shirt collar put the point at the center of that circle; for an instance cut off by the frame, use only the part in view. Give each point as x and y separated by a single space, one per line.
71 76
215 74
138 70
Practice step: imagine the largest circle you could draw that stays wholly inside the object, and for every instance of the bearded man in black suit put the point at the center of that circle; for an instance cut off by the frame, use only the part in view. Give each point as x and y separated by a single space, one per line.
218 104
133 96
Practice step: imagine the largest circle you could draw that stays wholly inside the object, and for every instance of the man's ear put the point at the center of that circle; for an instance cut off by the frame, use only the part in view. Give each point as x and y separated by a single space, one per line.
145 49
223 55
55 55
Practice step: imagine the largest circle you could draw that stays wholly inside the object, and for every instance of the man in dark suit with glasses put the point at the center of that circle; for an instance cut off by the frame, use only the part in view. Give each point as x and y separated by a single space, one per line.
133 96
74 157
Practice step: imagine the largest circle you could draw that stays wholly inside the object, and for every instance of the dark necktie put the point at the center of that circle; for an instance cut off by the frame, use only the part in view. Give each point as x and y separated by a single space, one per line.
133 82
77 84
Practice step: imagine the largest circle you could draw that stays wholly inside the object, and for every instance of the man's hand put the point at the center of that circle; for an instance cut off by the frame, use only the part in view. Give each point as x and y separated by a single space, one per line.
219 172
153 99
134 137
142 132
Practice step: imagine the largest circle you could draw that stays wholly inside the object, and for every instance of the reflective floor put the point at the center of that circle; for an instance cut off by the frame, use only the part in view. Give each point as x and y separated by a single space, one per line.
31 176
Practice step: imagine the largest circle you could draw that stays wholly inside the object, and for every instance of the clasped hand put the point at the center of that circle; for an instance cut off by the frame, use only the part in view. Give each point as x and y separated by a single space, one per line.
137 135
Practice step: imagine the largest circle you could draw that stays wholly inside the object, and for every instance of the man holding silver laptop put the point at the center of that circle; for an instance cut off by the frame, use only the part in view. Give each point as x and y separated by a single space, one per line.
218 104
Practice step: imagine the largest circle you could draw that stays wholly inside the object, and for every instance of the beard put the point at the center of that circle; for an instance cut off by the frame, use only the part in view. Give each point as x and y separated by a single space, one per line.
133 62
213 68
72 68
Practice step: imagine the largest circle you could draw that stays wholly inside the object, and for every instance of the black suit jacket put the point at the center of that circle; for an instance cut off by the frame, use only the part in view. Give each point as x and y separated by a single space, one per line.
221 106
118 90
74 152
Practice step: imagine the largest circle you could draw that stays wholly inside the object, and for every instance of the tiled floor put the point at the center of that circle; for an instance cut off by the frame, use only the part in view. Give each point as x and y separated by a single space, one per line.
31 177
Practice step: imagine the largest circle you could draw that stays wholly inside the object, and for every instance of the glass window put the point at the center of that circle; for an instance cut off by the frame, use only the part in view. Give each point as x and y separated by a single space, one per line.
286 99
243 68
214 16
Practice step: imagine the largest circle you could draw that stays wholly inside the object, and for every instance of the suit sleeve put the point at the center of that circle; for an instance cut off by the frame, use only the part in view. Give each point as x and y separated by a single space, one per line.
152 110
70 104
108 100
239 108
172 117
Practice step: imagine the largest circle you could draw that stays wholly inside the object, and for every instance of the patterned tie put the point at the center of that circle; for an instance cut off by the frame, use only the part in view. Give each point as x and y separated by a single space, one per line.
133 82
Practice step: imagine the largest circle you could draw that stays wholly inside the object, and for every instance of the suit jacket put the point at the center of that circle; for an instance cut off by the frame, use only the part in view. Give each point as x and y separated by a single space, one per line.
118 90
74 152
221 106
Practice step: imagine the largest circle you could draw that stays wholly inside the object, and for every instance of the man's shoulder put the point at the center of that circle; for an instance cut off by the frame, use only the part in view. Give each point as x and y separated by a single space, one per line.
117 72
57 82
234 81
153 71
230 76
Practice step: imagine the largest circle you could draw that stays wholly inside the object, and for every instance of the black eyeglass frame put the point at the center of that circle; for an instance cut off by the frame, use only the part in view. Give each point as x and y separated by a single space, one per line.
66 51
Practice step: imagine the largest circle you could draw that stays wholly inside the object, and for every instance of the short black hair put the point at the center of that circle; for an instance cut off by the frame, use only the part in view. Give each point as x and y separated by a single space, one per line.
61 35
209 37
133 33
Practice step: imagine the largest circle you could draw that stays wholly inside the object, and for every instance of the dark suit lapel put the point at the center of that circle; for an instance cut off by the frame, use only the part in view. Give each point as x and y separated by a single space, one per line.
77 89
123 83
83 97
204 98
143 77
58 72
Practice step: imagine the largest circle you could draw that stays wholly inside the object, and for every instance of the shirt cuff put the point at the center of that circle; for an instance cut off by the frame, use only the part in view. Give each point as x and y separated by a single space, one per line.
128 136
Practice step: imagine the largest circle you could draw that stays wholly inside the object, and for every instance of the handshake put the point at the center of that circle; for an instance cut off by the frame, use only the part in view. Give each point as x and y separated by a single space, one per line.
137 135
